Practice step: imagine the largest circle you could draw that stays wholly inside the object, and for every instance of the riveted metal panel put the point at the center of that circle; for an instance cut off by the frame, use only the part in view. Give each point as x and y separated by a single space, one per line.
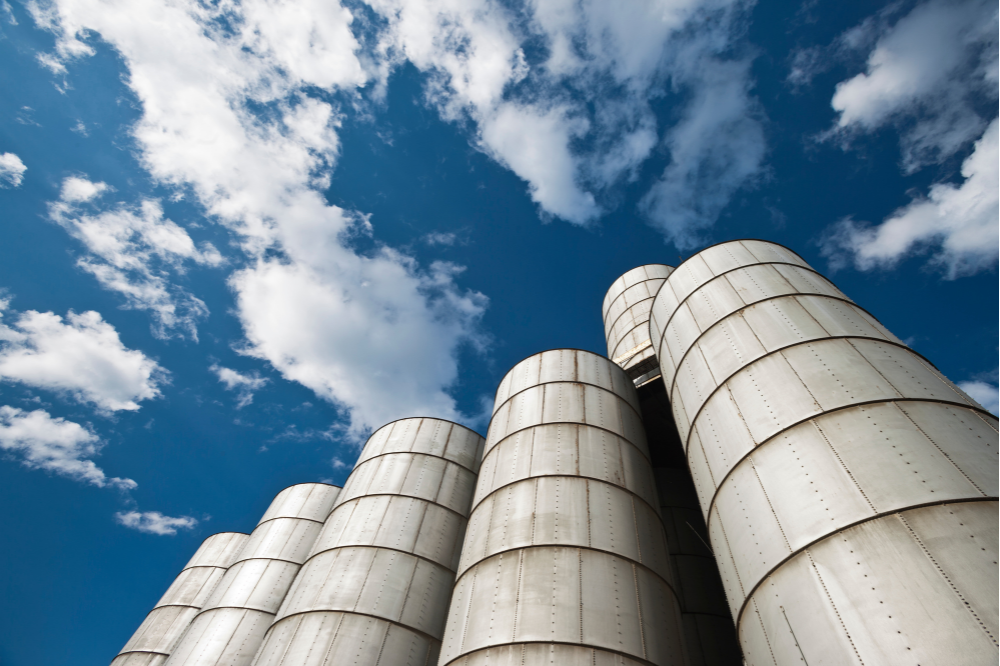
823 425
139 659
256 584
192 587
312 501
849 599
415 475
429 436
318 639
161 630
219 636
281 538
218 550
563 595
543 654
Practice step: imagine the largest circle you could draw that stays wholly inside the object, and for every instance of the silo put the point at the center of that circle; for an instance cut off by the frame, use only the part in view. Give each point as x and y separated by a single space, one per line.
708 627
849 488
157 636
565 559
231 625
626 311
374 590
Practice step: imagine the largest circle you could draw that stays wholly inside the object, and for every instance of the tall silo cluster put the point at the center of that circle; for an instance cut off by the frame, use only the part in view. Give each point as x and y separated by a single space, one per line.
759 473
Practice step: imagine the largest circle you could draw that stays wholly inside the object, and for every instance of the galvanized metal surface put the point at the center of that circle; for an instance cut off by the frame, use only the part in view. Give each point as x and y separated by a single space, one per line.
375 586
231 626
565 554
812 434
163 627
626 313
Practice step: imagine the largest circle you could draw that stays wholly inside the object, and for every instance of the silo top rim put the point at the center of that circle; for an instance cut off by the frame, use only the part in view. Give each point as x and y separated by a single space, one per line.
626 273
429 418
544 351
737 240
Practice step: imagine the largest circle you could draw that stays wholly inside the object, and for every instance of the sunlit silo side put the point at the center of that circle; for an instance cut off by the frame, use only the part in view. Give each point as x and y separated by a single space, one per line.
157 636
230 627
708 628
374 590
564 560
626 313
850 489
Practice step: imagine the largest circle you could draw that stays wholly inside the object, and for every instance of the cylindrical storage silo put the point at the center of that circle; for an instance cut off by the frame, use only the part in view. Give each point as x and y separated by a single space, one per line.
850 489
231 625
626 311
157 636
565 559
374 590
709 635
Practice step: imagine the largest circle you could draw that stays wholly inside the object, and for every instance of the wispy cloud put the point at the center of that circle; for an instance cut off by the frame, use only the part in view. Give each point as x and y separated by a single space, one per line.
11 170
80 356
55 445
244 384
154 522
135 251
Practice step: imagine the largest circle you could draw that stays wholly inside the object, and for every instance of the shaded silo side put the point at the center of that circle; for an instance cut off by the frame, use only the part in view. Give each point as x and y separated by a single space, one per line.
374 590
625 311
564 559
158 634
231 625
710 636
849 487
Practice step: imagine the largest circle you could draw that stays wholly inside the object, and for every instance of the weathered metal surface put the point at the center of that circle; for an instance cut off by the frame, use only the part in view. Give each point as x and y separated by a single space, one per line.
231 625
565 555
163 627
376 583
830 463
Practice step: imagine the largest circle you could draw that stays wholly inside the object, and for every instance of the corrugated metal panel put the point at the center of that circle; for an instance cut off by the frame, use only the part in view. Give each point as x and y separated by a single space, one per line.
376 583
812 433
565 553
231 626
160 631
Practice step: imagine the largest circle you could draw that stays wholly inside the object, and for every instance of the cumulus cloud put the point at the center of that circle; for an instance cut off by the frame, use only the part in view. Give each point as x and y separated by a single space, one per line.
55 445
11 170
244 384
134 251
227 112
985 393
958 223
925 75
154 522
577 119
81 356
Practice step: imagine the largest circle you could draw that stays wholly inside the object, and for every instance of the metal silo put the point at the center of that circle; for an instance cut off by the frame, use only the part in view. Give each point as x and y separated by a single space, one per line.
231 625
157 636
374 590
708 627
849 488
626 311
565 559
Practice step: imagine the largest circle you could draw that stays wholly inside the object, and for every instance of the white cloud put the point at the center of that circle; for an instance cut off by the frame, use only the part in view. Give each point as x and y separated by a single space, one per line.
133 251
925 74
81 357
244 384
11 170
580 121
960 222
986 394
154 522
55 445
201 73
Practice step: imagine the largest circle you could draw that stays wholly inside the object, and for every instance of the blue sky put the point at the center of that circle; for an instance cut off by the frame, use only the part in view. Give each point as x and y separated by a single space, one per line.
239 236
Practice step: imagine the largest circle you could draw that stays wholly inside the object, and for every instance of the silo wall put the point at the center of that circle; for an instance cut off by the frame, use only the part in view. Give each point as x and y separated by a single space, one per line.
159 633
708 627
564 560
625 311
230 627
375 587
849 488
